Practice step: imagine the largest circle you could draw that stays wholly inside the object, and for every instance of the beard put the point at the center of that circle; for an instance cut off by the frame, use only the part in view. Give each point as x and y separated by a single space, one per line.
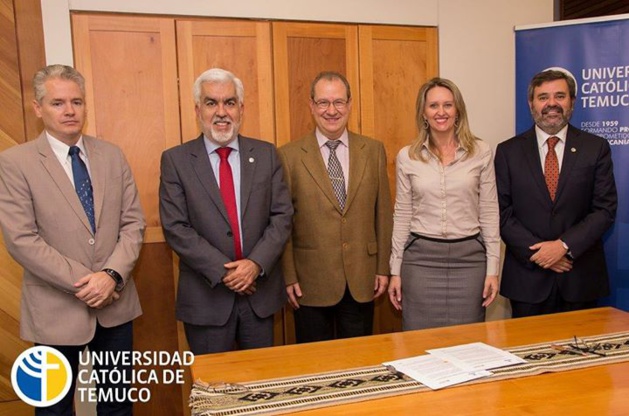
552 125
223 137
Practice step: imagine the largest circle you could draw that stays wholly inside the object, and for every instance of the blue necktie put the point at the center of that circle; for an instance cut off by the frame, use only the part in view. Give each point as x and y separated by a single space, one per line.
83 185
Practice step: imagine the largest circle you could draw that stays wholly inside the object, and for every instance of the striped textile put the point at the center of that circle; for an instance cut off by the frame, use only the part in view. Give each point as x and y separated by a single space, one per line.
293 394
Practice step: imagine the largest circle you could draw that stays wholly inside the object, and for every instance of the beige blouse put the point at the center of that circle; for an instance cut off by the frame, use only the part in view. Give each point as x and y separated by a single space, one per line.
447 202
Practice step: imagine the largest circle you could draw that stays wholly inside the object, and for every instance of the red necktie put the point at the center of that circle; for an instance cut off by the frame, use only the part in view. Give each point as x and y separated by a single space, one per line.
551 167
228 194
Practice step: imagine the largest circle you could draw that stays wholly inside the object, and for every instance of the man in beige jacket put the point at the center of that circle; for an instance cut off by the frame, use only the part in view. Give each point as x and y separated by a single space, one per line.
77 237
336 261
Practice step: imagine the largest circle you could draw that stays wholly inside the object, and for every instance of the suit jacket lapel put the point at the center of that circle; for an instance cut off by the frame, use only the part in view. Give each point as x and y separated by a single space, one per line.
573 141
357 163
531 151
313 162
247 170
60 177
201 165
98 175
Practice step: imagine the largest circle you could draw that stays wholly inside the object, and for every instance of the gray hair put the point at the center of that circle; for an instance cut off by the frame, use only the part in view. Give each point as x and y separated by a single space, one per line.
55 71
220 76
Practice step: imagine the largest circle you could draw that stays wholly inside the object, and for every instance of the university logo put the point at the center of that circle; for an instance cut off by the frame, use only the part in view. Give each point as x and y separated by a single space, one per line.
41 376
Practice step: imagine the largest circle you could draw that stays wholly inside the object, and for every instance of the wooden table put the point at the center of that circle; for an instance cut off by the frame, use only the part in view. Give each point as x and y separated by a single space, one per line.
601 390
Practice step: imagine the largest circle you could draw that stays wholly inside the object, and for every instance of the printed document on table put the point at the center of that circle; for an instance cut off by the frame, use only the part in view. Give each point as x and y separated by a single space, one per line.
477 356
434 372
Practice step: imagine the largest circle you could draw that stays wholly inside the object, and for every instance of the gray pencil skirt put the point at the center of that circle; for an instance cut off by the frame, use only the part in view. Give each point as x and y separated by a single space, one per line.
442 282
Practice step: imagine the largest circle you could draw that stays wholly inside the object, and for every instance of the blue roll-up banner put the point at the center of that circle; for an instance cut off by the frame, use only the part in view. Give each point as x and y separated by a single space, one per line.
596 53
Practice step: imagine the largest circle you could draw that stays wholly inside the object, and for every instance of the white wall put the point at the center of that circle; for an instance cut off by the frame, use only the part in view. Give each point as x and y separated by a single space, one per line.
476 40
477 46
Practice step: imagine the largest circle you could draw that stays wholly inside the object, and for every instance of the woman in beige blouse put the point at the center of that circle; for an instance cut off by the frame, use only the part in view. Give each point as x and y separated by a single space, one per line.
446 243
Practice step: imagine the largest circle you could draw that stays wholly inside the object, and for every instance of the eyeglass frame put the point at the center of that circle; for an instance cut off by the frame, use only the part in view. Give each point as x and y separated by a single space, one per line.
325 104
586 348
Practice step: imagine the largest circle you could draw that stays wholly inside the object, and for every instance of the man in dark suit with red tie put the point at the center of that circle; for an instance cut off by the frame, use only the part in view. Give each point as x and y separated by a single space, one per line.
226 212
557 198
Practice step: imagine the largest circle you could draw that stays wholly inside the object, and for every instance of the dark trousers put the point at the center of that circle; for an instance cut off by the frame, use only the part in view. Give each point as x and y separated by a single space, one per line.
243 328
118 338
346 319
553 304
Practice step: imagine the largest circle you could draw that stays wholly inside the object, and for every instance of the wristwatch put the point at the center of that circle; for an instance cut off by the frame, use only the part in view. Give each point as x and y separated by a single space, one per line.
568 253
117 278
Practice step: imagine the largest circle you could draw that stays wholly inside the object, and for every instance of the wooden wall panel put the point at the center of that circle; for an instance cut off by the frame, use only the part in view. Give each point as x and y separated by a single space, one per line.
21 53
300 52
32 56
242 47
130 68
15 408
394 63
156 329
578 9
12 115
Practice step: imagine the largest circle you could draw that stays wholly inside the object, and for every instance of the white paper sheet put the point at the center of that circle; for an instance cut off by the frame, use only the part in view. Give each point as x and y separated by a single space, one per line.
477 356
434 371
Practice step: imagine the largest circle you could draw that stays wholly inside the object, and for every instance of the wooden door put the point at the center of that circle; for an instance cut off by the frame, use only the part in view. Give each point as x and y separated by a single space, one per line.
130 67
394 62
300 52
242 47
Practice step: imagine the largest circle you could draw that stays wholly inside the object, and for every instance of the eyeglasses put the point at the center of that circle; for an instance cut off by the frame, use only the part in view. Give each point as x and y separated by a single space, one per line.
585 347
325 104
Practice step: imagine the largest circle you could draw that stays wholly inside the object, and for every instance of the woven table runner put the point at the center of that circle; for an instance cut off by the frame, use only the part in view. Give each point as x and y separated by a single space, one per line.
292 394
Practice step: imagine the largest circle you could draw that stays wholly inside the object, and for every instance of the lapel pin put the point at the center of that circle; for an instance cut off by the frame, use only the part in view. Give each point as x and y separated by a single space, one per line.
573 150
251 160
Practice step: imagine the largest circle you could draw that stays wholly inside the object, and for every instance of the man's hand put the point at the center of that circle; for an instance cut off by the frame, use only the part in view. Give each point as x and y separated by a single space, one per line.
547 253
294 293
563 265
241 276
96 290
490 290
380 286
395 292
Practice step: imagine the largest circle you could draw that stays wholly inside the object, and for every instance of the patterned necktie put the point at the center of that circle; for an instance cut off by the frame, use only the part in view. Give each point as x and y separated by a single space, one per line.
226 183
83 185
551 167
336 173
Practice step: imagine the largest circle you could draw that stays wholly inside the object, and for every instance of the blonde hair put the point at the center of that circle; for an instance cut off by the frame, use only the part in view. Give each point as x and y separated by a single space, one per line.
467 140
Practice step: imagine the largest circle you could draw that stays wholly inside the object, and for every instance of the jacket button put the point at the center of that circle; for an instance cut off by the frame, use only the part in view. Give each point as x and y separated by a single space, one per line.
229 234
91 241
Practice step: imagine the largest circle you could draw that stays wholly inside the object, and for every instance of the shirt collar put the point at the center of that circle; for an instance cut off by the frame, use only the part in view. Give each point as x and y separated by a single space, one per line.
211 146
61 149
322 140
542 136
459 150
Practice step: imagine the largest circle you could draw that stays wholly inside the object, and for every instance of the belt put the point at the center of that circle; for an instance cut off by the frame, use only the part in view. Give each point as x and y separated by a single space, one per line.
444 240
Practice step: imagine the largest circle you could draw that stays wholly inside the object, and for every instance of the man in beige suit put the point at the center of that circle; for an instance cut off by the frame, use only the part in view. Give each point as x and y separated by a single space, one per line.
336 261
77 247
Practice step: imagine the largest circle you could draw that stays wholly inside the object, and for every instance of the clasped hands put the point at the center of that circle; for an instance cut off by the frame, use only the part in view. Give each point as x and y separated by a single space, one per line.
551 255
241 276
97 290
